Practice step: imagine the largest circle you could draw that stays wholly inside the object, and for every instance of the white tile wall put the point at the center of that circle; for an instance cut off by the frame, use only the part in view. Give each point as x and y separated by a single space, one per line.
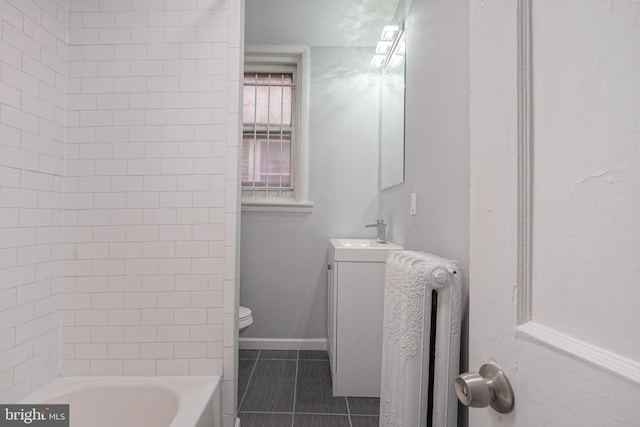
134 233
150 215
33 75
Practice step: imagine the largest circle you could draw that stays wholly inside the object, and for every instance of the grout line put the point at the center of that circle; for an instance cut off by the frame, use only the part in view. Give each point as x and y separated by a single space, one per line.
295 389
323 413
348 411
332 414
270 358
246 389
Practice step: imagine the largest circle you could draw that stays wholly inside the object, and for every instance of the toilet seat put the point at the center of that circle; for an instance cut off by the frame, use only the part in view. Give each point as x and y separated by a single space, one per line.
245 318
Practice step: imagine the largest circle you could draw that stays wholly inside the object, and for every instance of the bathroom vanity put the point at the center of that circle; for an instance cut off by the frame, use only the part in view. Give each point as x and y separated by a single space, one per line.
355 313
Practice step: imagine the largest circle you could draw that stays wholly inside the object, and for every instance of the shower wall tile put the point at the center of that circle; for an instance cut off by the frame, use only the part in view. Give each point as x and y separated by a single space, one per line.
150 226
33 74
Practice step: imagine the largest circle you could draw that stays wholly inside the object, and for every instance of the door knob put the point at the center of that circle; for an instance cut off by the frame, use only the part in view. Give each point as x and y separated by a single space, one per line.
489 387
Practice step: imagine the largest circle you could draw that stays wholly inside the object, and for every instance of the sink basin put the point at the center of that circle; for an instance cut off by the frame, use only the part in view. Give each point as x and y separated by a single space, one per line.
360 250
362 243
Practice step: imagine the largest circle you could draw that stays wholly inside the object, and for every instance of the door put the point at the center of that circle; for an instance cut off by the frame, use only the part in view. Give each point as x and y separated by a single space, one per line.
555 208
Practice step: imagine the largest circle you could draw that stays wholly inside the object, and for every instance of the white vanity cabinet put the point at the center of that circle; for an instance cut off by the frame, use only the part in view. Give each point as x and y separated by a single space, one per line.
354 317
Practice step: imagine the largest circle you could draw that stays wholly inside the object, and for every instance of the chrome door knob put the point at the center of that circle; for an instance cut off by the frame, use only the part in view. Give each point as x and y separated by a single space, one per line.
489 387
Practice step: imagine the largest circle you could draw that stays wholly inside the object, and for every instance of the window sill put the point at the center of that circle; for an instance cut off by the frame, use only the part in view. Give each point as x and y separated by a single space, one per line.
276 206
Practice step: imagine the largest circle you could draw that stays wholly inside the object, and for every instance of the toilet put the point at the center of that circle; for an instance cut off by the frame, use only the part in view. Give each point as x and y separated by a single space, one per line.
245 319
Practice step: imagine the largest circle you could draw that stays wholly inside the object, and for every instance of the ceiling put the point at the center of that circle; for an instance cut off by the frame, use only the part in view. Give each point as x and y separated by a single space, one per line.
318 23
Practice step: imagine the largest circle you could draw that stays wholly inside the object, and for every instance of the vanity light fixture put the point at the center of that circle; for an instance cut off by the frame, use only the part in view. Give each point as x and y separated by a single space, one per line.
389 32
390 48
397 56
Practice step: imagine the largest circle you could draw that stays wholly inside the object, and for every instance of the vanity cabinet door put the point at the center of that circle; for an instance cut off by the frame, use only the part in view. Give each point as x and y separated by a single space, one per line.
360 304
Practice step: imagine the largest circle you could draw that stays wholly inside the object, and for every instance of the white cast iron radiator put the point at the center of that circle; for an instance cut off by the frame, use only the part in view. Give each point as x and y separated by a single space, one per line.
421 341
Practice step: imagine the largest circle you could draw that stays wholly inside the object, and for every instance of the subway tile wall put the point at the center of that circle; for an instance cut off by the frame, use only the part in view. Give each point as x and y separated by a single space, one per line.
118 190
151 200
33 78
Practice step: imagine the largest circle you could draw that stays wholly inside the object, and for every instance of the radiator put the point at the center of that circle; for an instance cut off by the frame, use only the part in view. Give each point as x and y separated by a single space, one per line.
421 341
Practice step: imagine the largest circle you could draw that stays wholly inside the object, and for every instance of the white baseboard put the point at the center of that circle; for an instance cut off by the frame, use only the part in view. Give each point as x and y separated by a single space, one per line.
283 344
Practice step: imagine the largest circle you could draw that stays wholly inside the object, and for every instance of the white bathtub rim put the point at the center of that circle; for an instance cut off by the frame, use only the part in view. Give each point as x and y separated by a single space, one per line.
194 393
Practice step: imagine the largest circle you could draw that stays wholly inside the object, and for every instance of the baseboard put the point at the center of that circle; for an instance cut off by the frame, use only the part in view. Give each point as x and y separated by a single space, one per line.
283 344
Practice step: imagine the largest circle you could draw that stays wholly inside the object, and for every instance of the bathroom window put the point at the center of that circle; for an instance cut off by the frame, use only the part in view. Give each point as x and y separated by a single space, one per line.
274 134
266 140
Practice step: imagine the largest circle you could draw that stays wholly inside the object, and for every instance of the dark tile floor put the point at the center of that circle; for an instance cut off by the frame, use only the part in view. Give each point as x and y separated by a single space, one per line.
293 388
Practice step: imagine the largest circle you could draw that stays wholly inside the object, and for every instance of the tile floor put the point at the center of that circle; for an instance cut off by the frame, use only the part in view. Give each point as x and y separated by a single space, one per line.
293 388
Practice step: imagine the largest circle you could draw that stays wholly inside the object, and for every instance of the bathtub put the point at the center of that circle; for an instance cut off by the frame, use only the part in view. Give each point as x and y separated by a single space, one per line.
136 401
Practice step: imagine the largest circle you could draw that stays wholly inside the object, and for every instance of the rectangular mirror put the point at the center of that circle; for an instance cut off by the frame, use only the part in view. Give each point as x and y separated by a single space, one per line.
392 118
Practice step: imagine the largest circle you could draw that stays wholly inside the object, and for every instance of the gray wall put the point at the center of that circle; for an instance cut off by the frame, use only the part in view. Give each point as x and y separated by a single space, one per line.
283 261
437 140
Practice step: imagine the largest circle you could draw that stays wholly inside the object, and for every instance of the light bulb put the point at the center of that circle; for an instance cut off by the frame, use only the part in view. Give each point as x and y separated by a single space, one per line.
378 60
383 47
396 60
389 32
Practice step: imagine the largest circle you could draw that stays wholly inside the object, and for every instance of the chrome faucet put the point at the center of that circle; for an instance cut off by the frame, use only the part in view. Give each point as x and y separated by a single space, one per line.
381 227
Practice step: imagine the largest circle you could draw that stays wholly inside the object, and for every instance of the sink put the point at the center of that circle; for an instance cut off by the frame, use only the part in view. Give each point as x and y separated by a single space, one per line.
360 250
362 243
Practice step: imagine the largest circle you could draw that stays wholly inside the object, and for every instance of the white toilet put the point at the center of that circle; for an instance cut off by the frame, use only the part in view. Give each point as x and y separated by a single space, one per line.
245 319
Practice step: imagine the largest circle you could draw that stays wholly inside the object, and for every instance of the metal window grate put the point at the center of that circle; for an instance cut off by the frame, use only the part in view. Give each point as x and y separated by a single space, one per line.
268 141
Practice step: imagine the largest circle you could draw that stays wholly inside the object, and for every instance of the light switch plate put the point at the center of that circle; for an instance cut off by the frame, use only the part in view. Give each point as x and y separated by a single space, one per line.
412 207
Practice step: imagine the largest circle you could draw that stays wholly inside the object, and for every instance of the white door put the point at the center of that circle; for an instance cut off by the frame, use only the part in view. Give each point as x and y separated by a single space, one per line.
555 208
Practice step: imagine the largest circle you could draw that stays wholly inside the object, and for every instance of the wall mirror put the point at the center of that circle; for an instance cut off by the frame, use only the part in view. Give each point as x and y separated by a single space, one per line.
326 23
392 94
340 23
